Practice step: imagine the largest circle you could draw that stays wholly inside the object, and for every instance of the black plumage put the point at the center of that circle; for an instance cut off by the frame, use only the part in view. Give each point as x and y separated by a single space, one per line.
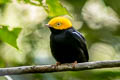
68 46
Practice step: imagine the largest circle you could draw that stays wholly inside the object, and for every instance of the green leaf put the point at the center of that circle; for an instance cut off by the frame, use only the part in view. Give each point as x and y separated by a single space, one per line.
55 8
8 36
114 4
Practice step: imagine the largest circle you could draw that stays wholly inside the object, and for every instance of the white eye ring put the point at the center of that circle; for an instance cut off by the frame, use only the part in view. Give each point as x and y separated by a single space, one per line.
58 24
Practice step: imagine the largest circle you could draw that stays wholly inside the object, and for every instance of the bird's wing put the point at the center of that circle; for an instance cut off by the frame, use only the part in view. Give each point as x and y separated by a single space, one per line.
81 41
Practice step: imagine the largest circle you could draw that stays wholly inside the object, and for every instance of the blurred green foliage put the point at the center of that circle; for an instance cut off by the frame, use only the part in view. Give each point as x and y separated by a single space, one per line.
55 8
4 1
114 5
95 19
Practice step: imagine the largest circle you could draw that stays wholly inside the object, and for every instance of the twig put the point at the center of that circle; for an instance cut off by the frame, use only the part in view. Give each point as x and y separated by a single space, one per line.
63 67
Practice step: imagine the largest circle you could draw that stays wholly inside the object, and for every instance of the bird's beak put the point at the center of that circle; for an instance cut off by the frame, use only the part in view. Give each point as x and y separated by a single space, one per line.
47 25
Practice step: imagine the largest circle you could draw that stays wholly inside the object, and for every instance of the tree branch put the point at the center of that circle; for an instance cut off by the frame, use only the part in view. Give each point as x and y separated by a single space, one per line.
63 67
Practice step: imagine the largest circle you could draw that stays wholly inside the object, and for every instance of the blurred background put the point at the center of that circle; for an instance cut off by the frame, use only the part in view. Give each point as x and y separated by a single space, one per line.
97 20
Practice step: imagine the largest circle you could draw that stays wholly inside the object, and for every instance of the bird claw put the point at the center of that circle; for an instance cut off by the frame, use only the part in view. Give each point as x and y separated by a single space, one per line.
73 64
56 65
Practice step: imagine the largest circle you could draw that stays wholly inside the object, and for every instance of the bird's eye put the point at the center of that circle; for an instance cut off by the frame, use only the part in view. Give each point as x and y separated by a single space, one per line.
58 24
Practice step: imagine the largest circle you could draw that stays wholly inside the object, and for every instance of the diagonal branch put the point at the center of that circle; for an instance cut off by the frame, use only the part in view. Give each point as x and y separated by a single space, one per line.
63 67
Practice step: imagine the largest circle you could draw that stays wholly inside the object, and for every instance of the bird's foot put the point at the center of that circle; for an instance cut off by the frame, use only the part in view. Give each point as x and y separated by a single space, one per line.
56 65
73 64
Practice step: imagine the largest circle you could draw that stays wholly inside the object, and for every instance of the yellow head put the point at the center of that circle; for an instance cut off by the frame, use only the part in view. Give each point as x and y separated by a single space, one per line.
60 23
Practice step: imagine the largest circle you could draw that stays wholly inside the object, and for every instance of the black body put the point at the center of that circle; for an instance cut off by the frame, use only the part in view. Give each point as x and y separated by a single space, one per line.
68 46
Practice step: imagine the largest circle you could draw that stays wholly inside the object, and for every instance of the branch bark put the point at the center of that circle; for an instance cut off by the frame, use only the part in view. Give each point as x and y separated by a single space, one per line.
63 67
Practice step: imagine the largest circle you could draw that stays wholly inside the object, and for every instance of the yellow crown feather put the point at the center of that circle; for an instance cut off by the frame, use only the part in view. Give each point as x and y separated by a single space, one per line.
60 23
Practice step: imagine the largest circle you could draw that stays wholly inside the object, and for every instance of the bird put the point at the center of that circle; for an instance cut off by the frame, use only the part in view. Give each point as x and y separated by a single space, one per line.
66 43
